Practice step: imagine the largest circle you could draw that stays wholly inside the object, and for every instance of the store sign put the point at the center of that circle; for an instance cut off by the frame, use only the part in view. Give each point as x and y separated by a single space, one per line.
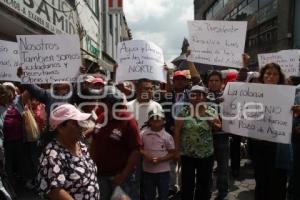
56 16
91 46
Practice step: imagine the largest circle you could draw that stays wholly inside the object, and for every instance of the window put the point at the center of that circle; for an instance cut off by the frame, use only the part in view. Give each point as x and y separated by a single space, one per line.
94 6
217 7
234 12
225 2
263 3
116 30
111 30
227 17
209 14
116 36
243 4
72 3
249 10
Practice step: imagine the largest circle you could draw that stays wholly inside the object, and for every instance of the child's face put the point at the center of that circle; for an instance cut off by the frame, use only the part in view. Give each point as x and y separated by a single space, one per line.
156 123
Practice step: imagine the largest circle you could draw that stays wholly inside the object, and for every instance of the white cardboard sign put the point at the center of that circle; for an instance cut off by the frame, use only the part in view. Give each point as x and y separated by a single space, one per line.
287 59
259 111
49 58
138 59
9 61
218 43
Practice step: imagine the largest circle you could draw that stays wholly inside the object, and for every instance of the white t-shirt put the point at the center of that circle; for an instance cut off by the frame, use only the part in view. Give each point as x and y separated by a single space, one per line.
140 110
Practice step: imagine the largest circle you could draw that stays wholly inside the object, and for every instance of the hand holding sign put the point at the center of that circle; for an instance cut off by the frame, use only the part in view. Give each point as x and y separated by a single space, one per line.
20 72
246 60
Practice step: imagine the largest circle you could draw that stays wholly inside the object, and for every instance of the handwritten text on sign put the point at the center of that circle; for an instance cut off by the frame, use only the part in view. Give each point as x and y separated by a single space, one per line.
49 58
288 60
258 111
139 59
219 43
9 61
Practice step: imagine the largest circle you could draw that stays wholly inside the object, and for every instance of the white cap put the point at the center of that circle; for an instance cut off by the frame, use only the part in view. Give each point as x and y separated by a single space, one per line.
199 88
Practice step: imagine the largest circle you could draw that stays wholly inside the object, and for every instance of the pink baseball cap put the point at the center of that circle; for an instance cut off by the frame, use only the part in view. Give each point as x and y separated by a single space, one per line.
66 112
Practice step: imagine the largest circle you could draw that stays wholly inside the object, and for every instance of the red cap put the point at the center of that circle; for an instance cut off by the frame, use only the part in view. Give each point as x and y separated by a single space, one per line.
230 77
178 74
98 80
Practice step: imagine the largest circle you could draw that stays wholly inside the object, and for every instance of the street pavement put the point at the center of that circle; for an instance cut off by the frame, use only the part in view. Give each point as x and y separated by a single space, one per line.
241 188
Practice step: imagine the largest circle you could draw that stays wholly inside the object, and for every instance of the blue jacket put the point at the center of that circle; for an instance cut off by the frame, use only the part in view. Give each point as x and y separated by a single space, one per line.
45 97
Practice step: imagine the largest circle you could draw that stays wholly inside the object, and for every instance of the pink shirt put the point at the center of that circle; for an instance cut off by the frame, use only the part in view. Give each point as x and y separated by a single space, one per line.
13 124
158 144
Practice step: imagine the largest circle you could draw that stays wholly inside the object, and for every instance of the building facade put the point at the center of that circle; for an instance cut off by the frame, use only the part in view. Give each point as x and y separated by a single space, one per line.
98 28
297 25
271 23
115 29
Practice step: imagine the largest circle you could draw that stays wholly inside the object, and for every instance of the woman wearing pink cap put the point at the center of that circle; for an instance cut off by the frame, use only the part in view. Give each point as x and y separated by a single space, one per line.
66 170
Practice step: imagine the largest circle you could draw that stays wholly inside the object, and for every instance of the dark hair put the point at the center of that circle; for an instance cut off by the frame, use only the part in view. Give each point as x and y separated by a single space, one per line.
295 80
215 73
270 66
64 123
141 81
147 124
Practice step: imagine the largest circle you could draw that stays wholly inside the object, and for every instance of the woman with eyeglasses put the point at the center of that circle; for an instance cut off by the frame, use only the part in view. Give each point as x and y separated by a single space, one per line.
271 160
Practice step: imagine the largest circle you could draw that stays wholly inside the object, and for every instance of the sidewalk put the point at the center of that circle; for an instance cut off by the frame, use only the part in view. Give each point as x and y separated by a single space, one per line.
240 189
243 187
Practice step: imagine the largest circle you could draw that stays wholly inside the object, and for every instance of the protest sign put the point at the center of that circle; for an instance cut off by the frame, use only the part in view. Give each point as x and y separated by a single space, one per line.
138 59
218 43
287 59
49 58
9 61
258 111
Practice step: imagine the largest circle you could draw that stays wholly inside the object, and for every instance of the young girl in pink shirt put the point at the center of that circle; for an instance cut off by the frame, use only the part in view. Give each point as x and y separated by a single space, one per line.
158 150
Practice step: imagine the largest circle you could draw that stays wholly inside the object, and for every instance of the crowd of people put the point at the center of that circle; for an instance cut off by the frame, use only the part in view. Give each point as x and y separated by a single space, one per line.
146 139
